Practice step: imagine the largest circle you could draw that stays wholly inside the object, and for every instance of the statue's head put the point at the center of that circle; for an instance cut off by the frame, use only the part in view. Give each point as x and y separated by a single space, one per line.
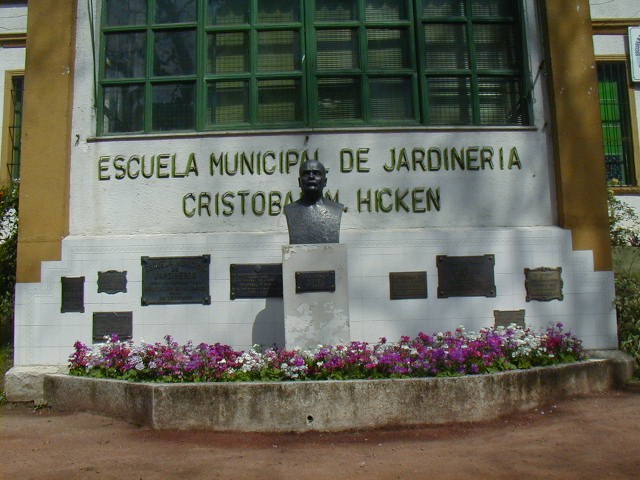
312 177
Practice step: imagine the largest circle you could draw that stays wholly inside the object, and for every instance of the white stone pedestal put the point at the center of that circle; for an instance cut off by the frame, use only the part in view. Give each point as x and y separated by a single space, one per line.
314 318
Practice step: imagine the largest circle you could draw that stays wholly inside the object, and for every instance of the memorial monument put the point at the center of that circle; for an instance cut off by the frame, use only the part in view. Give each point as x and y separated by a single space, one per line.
313 218
314 266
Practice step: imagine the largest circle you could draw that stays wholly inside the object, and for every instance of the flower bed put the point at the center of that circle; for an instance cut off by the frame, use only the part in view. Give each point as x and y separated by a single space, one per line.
443 354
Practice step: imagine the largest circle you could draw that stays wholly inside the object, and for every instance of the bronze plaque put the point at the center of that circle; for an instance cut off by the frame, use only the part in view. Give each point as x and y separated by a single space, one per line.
543 284
259 280
107 323
466 276
72 297
323 281
407 285
175 280
504 318
112 282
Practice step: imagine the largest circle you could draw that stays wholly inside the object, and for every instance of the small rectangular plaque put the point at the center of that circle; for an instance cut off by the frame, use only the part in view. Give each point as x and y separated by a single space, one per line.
256 280
504 318
407 285
112 282
322 281
175 280
72 296
108 323
543 284
466 276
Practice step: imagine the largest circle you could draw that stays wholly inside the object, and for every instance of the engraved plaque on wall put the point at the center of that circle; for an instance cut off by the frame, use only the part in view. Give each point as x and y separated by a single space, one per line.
321 281
504 318
108 323
543 284
407 285
466 276
112 282
255 280
72 297
175 280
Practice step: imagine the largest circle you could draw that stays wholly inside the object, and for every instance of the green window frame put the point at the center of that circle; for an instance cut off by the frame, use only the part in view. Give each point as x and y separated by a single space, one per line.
206 65
613 88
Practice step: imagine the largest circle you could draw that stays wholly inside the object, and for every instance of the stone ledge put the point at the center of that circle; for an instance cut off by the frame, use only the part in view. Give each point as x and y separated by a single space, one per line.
25 383
327 405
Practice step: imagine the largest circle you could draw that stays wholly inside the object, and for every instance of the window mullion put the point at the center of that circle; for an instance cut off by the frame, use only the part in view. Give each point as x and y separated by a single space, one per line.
148 90
253 63
364 61
473 66
201 62
309 65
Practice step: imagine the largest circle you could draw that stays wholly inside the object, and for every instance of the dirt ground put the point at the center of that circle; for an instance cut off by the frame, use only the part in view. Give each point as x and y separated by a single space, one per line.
596 437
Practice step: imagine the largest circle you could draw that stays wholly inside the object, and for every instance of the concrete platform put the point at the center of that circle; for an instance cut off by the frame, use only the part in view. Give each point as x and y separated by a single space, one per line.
329 405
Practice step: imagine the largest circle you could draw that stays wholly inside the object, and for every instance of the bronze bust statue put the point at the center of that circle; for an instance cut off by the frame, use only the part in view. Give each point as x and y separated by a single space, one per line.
313 218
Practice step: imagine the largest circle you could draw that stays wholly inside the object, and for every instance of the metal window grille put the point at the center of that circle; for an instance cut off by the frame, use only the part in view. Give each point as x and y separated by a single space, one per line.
171 65
15 129
616 122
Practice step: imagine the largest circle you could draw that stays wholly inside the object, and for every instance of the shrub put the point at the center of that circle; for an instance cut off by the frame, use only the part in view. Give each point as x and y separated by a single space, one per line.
624 222
628 313
8 248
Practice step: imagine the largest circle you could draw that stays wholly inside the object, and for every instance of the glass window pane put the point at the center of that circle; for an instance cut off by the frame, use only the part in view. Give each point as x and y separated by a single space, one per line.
279 101
225 12
173 106
278 51
123 108
385 10
449 101
175 52
446 46
443 8
336 10
496 46
278 11
493 8
228 52
337 49
228 103
391 98
339 99
175 11
124 55
501 102
126 12
388 48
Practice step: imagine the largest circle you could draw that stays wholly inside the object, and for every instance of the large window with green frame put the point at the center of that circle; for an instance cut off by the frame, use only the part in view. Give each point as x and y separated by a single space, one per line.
197 65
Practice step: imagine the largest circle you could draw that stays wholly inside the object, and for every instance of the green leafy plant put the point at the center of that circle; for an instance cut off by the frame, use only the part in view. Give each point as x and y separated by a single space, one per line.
8 249
628 313
624 222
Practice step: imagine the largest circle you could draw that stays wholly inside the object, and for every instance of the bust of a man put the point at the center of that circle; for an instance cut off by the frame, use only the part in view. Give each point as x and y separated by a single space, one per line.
313 218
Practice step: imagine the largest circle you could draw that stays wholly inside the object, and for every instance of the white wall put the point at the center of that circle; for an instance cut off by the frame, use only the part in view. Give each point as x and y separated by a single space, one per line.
614 9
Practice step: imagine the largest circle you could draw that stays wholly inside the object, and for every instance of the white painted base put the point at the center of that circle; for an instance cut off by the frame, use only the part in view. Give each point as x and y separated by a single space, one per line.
44 336
315 318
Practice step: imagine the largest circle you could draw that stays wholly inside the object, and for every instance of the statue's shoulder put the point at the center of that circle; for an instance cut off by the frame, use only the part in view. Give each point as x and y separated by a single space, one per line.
292 207
336 207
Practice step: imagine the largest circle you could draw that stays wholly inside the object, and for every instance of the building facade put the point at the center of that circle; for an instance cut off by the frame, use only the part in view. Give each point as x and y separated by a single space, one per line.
463 137
13 39
616 29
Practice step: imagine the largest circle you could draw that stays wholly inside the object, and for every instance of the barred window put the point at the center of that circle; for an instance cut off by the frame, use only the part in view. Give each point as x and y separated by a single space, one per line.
195 65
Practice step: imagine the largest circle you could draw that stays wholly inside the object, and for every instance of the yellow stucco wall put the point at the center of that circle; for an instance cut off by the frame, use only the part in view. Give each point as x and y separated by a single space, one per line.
44 190
580 169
